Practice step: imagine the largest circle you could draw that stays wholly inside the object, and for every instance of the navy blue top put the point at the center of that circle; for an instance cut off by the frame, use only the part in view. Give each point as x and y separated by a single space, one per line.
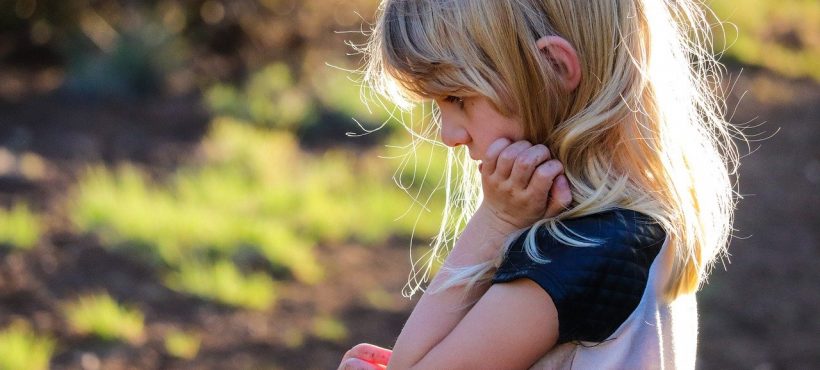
594 289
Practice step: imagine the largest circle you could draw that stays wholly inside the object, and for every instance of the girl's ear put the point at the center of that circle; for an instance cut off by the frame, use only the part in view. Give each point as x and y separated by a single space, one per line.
562 56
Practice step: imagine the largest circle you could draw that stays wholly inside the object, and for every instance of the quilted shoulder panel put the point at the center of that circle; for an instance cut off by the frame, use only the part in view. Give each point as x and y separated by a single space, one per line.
594 289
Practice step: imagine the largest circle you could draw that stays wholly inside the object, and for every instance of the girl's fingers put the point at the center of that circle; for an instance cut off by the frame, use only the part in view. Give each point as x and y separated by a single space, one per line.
506 160
490 158
359 364
526 163
369 353
560 197
544 176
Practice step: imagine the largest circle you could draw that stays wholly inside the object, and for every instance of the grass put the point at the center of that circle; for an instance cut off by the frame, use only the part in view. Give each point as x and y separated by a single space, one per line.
783 36
340 90
21 348
379 299
19 227
256 191
269 98
100 316
329 329
207 213
222 282
182 345
293 338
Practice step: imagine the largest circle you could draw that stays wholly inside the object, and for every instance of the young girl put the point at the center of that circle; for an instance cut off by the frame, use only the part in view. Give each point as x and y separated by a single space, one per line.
586 255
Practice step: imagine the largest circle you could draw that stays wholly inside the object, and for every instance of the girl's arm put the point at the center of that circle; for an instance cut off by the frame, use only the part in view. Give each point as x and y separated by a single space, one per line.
509 327
512 324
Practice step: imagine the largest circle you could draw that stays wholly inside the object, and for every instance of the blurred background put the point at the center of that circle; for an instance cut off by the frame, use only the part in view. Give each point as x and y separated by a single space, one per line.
178 188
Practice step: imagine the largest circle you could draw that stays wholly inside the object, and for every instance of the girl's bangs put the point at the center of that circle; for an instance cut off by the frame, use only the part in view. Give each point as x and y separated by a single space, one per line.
417 42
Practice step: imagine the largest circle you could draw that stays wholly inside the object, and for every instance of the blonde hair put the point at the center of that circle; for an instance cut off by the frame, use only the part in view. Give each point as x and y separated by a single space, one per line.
644 130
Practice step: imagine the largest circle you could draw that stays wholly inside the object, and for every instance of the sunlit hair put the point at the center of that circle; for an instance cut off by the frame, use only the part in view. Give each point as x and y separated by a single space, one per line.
644 130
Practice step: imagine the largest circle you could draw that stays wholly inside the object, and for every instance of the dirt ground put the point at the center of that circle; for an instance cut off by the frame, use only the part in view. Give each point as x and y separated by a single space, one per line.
761 312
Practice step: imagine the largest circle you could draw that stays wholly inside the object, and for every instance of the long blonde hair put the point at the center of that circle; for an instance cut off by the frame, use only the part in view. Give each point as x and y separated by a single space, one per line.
644 130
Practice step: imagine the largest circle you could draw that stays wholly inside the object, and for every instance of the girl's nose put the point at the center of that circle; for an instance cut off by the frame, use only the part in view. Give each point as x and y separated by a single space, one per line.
453 135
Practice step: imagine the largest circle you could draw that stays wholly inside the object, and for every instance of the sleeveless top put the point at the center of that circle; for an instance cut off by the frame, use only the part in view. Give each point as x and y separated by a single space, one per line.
611 314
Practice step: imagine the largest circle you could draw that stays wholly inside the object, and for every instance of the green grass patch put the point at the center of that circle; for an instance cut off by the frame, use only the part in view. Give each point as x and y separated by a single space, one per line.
329 329
21 348
223 282
209 213
379 299
19 227
269 98
181 344
100 316
257 192
341 91
293 338
783 36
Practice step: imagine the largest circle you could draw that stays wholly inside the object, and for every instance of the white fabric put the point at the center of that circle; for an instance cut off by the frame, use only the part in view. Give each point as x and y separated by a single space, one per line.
657 335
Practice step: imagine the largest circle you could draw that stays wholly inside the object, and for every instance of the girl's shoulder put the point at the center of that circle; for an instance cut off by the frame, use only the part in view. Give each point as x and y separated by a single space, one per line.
614 231
617 233
594 288
613 228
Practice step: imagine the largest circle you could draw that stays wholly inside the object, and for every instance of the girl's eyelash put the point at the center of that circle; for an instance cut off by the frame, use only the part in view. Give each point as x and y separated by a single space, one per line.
454 99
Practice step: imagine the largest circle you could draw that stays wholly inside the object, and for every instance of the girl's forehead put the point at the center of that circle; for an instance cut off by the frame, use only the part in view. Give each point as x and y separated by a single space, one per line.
429 49
425 45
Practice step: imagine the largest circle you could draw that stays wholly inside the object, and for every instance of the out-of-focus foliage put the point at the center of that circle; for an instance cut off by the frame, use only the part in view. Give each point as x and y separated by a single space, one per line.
172 46
182 345
222 282
269 98
783 36
19 227
278 52
257 195
328 328
272 98
21 348
101 316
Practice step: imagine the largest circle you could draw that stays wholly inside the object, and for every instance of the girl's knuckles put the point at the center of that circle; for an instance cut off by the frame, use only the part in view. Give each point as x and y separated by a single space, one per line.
557 164
544 173
540 151
507 156
541 148
526 161
549 169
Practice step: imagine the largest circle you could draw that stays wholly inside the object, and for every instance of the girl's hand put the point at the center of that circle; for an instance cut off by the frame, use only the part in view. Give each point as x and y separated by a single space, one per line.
522 184
365 356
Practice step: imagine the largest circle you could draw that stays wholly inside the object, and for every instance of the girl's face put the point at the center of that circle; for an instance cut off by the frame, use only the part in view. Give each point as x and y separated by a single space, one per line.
472 121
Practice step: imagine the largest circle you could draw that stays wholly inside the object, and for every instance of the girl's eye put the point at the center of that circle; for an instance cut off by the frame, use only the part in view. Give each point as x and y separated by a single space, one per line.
455 100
